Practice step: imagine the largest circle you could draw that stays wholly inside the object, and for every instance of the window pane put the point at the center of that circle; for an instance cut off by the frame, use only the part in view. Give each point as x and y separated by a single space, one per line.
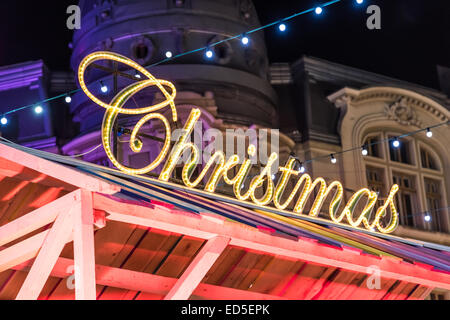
402 153
373 146
434 203
428 161
406 199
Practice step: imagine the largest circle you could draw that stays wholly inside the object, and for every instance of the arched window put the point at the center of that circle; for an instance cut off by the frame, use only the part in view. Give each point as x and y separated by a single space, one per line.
416 168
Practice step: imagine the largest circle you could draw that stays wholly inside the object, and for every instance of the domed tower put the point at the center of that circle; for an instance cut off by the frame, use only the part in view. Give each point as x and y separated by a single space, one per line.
232 86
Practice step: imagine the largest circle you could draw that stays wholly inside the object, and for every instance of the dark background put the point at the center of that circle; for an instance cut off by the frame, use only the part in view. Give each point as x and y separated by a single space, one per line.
414 38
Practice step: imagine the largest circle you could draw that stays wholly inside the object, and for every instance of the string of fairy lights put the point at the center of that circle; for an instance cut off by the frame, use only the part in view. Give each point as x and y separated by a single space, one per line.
245 39
395 141
208 53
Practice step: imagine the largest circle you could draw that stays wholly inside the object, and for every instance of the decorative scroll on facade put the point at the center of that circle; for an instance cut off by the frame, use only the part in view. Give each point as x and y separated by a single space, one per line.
271 195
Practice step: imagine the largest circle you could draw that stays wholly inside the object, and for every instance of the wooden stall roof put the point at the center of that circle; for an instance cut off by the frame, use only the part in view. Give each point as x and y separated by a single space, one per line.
156 242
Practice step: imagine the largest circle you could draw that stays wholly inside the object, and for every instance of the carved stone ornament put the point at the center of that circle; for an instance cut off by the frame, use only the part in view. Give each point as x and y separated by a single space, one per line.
343 101
402 113
343 97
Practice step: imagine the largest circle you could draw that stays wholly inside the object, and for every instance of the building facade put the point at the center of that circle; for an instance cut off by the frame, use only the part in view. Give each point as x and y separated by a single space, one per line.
320 107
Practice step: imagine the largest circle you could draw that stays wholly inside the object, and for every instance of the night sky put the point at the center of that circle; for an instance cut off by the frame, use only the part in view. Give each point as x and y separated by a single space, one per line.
415 35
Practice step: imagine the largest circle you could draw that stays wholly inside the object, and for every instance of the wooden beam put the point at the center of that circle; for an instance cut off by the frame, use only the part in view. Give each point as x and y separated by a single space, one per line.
9 168
420 293
55 170
84 252
28 248
52 246
198 268
150 283
245 237
37 218
22 251
16 171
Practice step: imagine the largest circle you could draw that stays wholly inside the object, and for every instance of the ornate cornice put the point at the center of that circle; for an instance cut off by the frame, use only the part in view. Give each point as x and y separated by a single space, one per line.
21 75
405 97
342 97
400 103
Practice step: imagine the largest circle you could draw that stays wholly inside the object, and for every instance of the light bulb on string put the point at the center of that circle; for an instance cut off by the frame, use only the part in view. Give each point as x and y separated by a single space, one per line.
429 133
38 109
103 87
318 10
302 168
209 53
169 54
4 121
245 40
282 27
427 218
333 159
396 143
359 1
68 99
364 151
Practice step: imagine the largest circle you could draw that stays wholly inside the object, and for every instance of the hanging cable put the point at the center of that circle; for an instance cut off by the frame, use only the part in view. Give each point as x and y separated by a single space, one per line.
169 56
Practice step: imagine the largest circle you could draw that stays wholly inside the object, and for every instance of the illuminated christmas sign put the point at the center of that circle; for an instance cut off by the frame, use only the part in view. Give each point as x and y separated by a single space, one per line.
273 194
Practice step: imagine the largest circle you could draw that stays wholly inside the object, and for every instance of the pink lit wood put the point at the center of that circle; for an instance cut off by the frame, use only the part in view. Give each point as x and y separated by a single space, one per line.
198 268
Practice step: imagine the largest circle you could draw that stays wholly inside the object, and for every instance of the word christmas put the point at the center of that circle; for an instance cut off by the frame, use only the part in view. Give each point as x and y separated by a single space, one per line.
221 166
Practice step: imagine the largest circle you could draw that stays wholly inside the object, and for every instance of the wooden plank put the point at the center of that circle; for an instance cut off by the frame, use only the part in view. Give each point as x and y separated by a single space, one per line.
386 285
308 281
251 277
202 262
16 200
284 285
275 276
113 246
150 283
54 242
223 293
395 292
55 170
359 282
21 251
241 270
11 286
179 257
224 265
37 218
16 171
150 250
405 292
259 241
122 258
420 293
334 287
155 248
9 168
83 245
